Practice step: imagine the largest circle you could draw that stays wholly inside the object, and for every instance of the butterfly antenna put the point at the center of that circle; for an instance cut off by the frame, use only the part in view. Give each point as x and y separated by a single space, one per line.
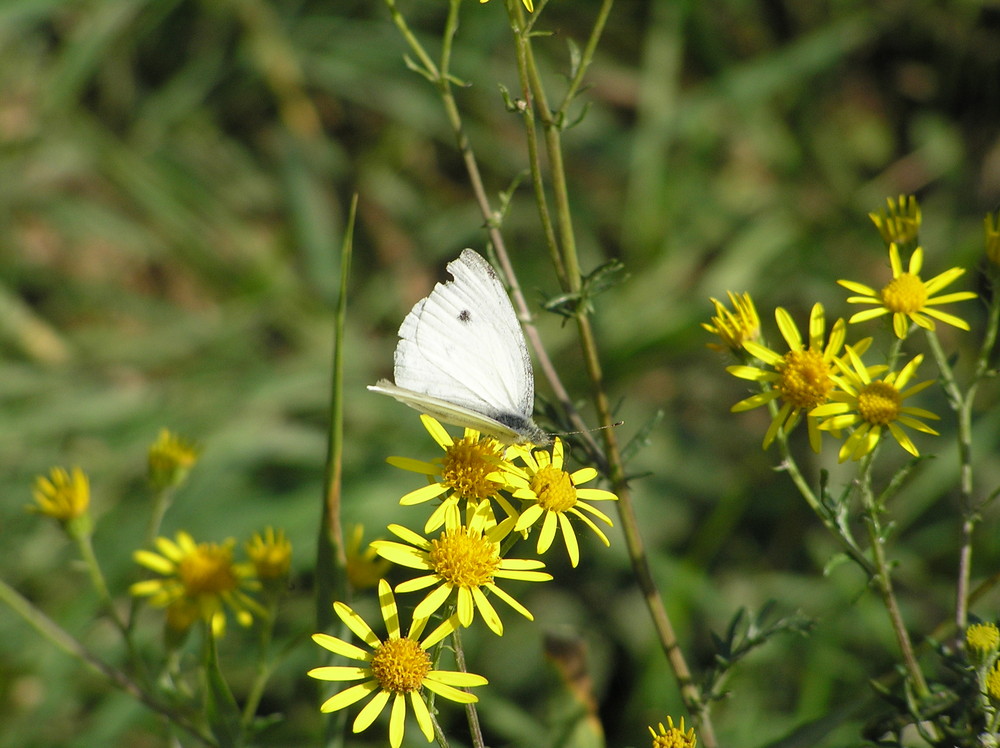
590 431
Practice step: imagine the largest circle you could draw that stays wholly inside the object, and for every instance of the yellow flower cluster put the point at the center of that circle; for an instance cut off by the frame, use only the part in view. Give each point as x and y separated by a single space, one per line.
201 581
824 380
463 560
196 581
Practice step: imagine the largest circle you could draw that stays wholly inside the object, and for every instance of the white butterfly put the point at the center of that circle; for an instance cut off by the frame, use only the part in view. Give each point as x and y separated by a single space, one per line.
462 358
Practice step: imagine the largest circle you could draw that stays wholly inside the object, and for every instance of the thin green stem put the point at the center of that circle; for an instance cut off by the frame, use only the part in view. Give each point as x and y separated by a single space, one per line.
475 730
883 579
441 80
567 267
586 57
161 502
264 666
331 559
220 704
430 69
86 548
962 403
527 107
59 637
842 533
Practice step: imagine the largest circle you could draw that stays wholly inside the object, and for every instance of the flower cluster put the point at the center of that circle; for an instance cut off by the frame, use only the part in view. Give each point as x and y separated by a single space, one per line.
823 380
201 581
199 585
487 496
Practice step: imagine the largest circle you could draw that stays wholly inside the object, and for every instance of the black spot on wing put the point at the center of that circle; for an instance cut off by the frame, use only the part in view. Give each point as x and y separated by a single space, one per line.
465 316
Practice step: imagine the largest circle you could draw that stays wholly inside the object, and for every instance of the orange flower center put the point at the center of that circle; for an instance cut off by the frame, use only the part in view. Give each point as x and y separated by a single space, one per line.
554 488
465 559
879 403
805 379
466 465
400 665
208 570
905 294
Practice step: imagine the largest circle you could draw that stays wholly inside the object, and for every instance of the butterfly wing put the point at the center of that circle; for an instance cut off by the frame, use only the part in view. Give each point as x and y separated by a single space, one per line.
459 416
463 346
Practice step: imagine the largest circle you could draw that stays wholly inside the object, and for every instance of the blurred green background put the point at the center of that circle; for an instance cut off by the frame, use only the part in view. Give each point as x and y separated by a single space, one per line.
174 178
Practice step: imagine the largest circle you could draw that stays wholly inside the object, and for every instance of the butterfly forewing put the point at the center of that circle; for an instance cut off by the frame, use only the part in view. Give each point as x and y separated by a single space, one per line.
462 358
463 344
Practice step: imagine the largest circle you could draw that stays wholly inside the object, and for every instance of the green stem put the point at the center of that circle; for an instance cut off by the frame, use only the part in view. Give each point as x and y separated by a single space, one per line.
475 730
442 81
567 267
962 404
220 704
883 580
531 91
161 502
331 559
59 637
86 548
847 542
264 666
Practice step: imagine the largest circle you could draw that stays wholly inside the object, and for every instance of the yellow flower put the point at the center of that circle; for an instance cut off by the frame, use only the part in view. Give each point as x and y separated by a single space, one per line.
364 567
993 684
734 327
552 495
170 459
873 405
991 227
901 224
466 560
529 4
673 737
907 297
397 668
270 553
982 641
802 378
463 473
63 495
201 574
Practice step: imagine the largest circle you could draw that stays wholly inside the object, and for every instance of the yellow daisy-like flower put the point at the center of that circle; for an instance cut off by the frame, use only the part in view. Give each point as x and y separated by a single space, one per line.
552 495
901 223
529 4
802 379
733 327
397 668
463 473
171 457
63 495
466 560
869 406
270 553
673 737
202 574
907 297
991 227
982 641
364 567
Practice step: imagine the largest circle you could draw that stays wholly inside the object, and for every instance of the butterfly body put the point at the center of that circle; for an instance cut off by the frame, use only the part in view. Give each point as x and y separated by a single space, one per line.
462 357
